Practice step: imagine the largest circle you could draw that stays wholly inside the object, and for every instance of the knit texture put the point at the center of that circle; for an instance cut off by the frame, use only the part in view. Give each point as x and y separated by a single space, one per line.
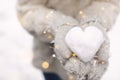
50 20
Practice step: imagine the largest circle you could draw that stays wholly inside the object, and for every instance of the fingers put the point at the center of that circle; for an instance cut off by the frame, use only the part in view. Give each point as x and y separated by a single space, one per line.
93 69
103 53
61 49
97 71
45 59
42 53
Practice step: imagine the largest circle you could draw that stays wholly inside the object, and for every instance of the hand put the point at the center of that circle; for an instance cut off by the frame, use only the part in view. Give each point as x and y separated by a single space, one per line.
73 64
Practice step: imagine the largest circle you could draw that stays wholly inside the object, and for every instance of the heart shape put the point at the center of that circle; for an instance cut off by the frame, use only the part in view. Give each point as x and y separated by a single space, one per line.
85 43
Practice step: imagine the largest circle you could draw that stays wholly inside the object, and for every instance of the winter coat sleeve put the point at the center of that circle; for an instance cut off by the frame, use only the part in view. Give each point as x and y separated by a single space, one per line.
36 18
103 11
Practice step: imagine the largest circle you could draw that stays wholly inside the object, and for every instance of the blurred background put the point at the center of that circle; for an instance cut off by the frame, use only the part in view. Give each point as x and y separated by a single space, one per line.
16 48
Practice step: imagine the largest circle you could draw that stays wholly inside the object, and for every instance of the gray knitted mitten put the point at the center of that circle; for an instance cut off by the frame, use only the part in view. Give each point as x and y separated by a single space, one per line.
50 21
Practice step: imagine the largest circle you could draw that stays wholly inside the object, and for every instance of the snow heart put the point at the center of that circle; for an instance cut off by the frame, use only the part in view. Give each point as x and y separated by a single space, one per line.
85 43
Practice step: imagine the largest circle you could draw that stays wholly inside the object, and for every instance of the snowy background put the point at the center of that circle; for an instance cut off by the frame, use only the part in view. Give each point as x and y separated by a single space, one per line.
16 48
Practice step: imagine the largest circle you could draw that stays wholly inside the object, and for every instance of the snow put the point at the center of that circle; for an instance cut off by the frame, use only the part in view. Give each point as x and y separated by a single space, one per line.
16 48
76 38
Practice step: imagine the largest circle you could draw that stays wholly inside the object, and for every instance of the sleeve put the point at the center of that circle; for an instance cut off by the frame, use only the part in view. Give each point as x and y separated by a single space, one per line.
36 18
104 12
